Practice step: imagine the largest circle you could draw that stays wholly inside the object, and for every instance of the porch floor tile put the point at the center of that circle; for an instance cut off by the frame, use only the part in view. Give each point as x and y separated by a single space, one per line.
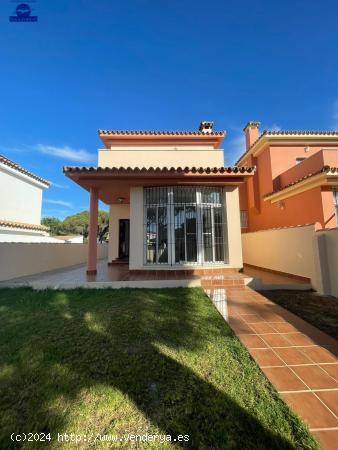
293 356
311 409
327 438
284 379
315 377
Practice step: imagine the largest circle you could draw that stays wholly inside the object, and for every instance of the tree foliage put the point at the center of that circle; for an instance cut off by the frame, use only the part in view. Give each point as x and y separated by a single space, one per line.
53 224
77 224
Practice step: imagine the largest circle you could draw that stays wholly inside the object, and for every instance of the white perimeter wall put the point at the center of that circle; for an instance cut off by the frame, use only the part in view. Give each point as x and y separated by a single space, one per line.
20 199
328 260
299 251
17 260
288 250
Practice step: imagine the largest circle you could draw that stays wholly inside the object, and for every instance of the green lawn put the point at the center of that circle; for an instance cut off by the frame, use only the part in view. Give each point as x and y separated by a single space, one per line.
320 310
126 361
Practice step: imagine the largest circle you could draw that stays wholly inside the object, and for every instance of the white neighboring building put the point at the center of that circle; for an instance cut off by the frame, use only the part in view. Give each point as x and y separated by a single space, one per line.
71 239
20 204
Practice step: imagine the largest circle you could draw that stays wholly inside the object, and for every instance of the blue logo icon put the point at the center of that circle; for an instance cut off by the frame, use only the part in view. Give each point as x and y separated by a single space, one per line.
23 14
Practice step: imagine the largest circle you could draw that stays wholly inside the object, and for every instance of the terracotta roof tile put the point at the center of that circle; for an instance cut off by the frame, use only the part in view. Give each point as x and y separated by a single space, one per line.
200 170
307 133
28 226
325 169
159 133
17 167
301 133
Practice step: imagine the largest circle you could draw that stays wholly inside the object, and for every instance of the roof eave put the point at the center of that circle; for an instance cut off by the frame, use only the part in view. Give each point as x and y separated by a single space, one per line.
215 139
13 167
318 180
297 138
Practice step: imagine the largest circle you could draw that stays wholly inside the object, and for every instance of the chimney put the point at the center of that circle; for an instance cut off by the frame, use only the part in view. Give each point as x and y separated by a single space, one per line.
251 133
206 127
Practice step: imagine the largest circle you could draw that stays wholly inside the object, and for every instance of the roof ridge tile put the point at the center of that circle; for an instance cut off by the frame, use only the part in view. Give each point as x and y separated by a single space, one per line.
30 226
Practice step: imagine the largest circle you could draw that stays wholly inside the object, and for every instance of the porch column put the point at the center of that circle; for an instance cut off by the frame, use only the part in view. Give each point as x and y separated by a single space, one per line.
92 235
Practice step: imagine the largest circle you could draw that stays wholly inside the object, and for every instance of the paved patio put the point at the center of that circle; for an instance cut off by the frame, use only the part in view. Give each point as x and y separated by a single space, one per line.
298 359
118 276
113 276
268 278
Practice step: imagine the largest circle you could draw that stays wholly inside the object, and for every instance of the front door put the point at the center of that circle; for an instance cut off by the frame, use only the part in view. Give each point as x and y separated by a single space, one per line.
124 238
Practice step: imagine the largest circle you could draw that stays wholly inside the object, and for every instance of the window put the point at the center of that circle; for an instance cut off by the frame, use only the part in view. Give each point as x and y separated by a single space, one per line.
300 159
335 202
156 225
184 225
244 219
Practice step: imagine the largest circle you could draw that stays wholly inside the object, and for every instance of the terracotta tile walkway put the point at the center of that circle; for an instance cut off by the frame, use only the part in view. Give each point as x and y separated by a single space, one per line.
299 360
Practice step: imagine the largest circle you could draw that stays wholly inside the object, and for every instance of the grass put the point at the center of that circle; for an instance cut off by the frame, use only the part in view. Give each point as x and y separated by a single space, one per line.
320 311
133 362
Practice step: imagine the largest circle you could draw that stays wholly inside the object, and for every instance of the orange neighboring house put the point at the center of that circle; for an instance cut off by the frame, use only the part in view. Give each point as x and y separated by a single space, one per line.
296 181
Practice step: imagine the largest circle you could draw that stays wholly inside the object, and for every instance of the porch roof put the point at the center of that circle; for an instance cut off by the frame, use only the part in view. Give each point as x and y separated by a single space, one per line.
115 182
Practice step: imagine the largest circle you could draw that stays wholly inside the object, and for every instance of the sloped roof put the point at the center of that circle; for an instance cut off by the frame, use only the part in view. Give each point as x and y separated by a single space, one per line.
288 133
159 133
325 169
163 170
28 226
17 167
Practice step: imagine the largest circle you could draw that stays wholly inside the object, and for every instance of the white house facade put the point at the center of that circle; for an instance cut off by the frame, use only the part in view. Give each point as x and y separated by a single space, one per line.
20 204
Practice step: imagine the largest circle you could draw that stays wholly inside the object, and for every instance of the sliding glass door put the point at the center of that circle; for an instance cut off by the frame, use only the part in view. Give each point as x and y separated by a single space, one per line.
184 225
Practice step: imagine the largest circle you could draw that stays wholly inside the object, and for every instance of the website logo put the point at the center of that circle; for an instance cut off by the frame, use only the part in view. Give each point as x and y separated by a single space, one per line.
23 14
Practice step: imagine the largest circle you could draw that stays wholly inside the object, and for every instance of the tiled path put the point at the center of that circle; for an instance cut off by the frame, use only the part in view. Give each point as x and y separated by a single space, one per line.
299 360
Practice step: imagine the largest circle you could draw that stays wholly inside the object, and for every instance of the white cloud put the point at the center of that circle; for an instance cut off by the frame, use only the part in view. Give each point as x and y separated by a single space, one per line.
60 186
59 202
234 148
274 127
66 152
51 212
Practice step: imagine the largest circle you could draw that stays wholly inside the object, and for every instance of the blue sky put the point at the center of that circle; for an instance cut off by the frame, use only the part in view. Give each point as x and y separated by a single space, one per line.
158 65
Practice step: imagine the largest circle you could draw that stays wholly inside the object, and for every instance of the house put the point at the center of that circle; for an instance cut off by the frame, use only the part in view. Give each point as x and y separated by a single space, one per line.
173 204
295 182
20 204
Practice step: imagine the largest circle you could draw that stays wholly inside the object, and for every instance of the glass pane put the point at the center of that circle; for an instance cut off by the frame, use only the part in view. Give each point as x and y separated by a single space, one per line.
156 195
335 196
151 230
190 224
184 224
218 237
162 234
184 194
179 221
207 234
211 195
